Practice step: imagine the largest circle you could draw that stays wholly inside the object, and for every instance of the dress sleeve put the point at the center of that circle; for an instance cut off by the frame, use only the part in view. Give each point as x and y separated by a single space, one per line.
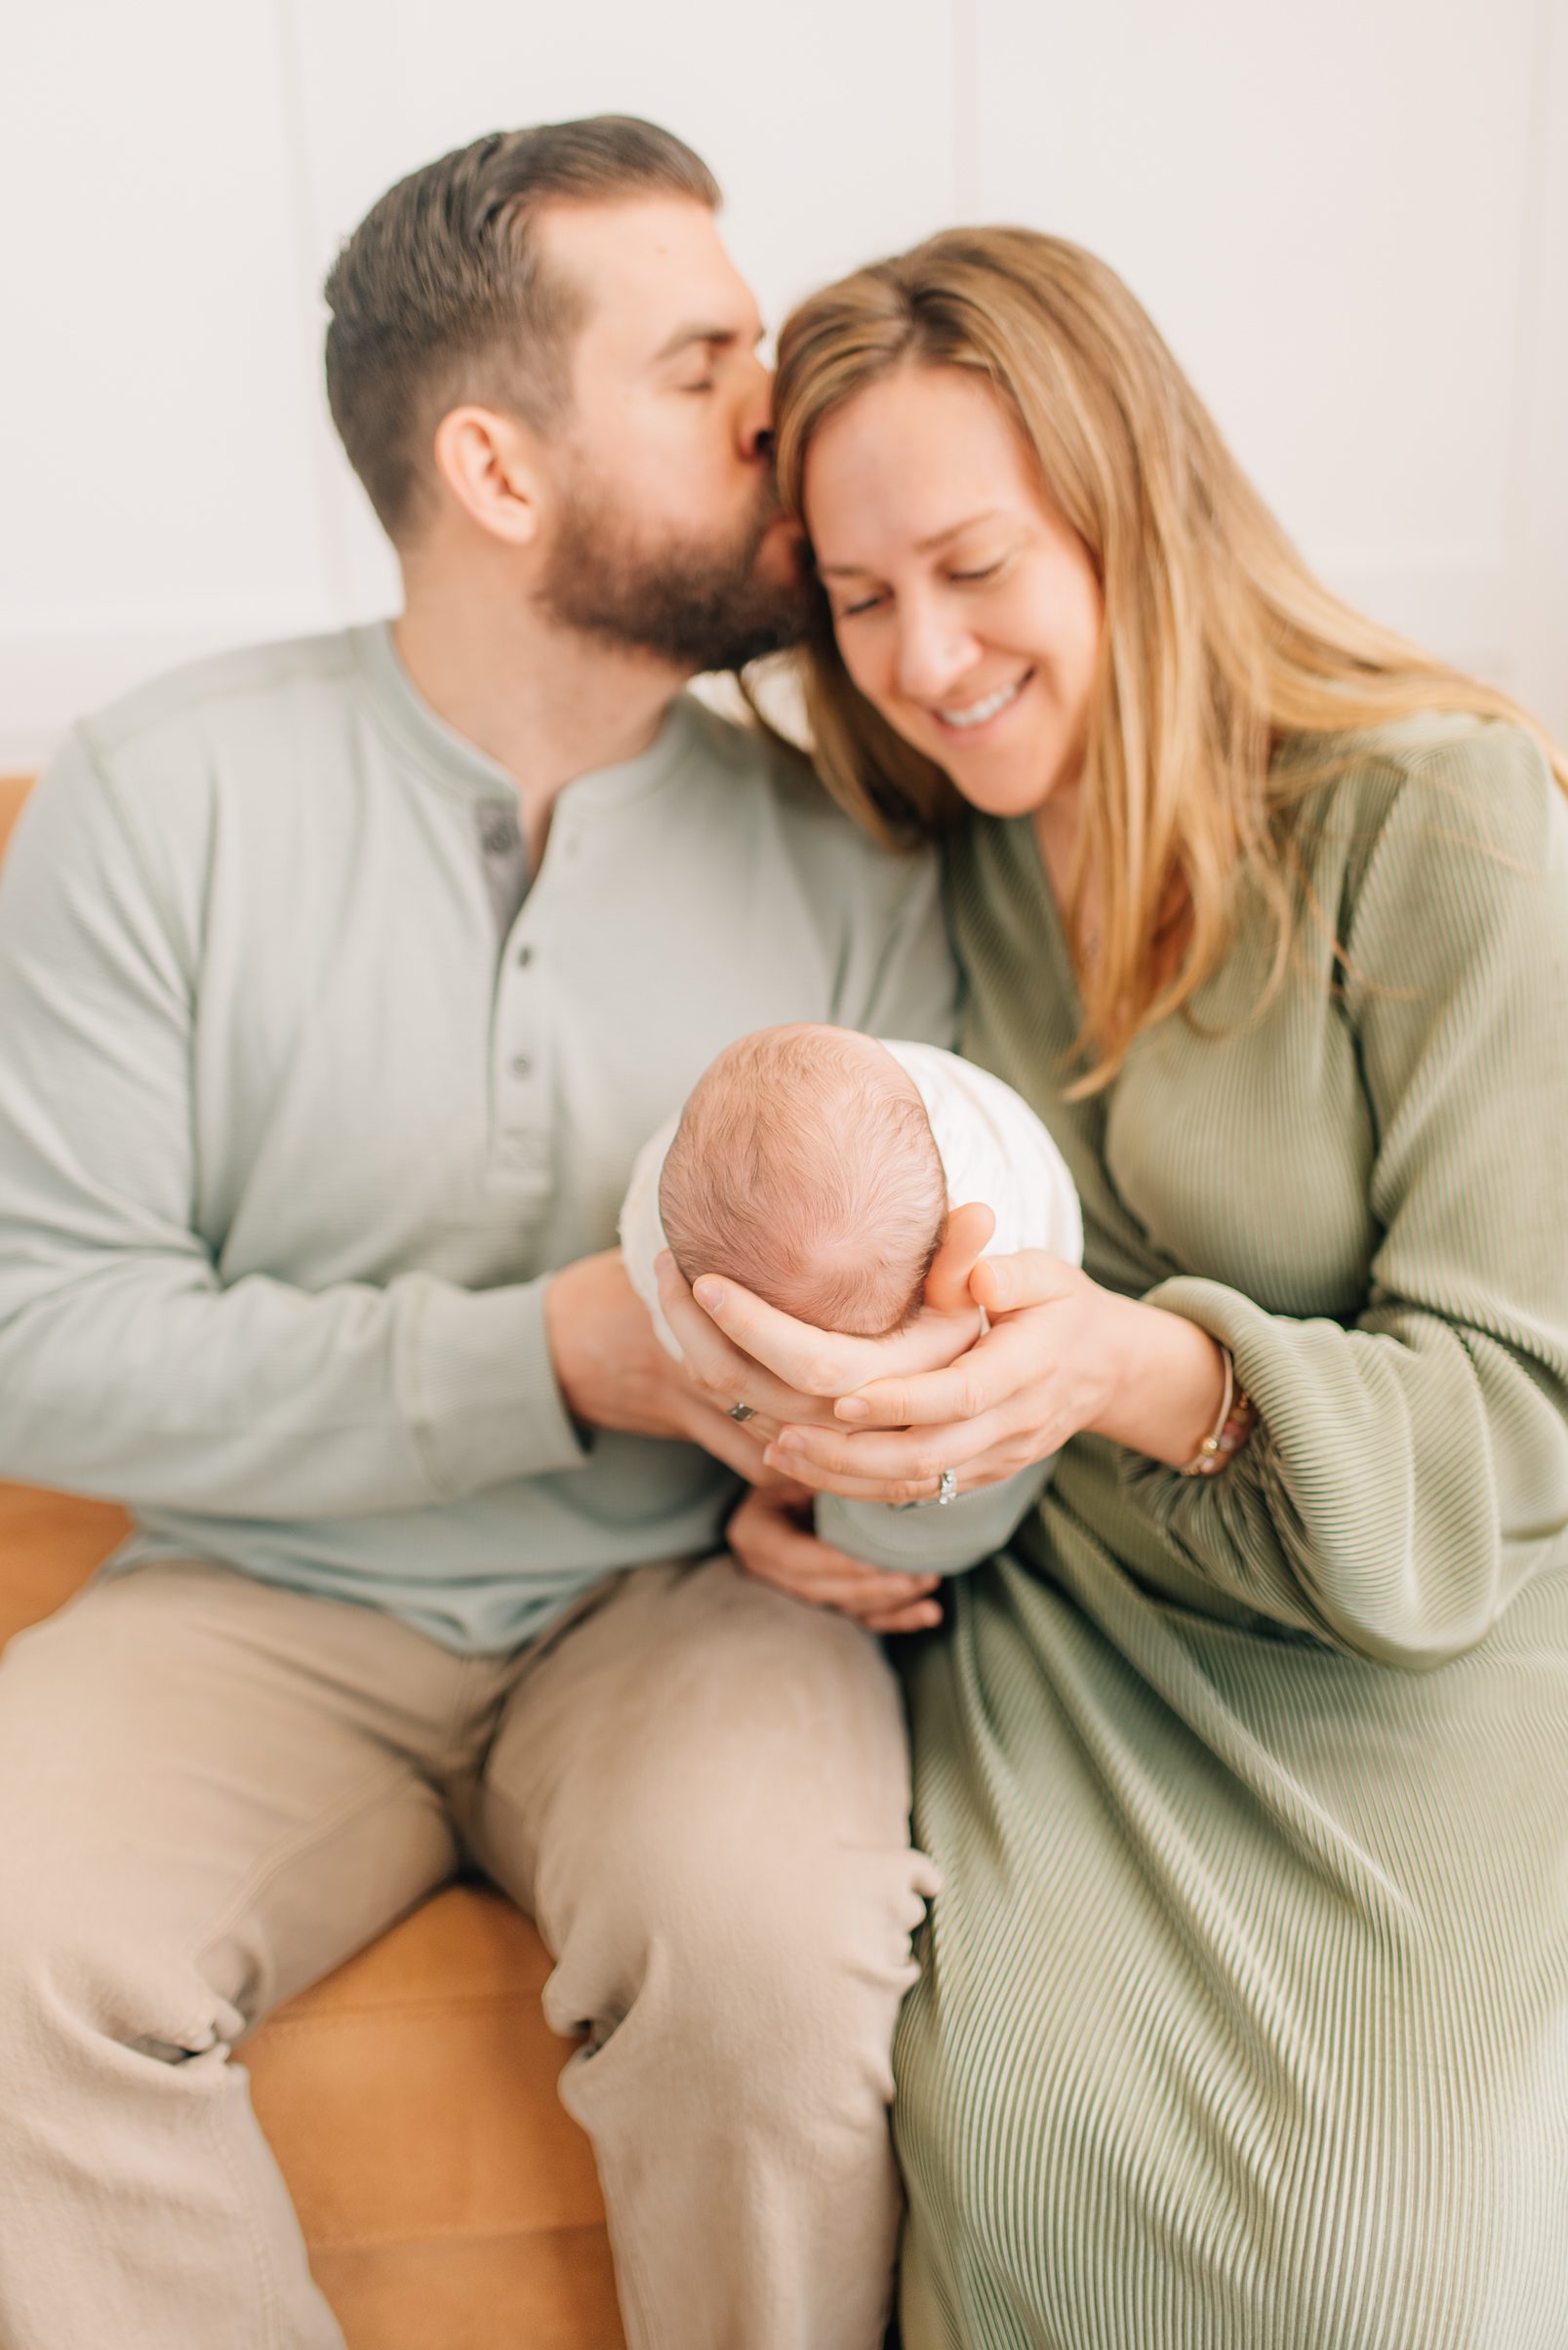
128 1369
1409 1470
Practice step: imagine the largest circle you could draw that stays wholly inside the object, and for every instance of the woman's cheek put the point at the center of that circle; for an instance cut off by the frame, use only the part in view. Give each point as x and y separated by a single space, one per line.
866 674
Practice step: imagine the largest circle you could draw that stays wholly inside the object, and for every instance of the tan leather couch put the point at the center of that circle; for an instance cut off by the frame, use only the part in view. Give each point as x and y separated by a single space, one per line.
448 2200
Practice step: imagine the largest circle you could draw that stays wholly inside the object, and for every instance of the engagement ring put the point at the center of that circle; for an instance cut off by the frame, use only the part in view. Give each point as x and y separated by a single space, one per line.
947 1491
742 1411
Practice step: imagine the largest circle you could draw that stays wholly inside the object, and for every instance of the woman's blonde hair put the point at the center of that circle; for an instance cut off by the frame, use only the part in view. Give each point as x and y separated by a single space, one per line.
1219 644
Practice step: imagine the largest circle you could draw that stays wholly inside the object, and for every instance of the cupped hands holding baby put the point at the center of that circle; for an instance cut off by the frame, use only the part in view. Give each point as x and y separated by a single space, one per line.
825 1174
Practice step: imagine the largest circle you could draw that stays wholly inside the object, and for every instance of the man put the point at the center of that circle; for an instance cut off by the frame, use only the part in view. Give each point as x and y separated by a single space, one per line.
340 982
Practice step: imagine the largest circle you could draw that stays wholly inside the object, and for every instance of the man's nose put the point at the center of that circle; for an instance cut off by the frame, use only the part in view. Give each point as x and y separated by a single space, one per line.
754 420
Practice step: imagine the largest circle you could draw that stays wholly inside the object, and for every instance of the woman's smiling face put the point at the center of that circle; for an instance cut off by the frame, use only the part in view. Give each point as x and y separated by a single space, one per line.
965 609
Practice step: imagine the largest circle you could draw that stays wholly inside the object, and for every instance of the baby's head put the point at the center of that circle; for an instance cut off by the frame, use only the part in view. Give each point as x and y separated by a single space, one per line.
805 1168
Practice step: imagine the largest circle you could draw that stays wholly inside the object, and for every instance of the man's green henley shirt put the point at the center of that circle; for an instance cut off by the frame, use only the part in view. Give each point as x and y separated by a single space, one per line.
307 1088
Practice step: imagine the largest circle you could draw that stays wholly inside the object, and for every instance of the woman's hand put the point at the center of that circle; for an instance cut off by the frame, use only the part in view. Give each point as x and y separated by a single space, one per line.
1041 1372
738 1350
1062 1354
771 1537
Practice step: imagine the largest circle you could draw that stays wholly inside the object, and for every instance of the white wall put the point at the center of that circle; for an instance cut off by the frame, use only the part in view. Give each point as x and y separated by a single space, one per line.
1349 219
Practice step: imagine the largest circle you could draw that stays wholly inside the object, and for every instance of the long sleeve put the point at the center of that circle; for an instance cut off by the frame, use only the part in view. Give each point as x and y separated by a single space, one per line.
127 1368
1410 1469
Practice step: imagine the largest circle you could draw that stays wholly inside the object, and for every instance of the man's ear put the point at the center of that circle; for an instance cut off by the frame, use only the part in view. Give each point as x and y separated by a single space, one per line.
489 463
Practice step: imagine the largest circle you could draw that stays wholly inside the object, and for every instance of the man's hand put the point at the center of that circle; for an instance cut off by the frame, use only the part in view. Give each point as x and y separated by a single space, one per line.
614 1373
771 1537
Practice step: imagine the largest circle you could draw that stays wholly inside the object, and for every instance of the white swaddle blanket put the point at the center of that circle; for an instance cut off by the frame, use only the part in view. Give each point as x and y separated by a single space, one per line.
992 1145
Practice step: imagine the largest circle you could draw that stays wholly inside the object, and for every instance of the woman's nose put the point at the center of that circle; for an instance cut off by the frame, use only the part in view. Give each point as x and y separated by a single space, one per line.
934 652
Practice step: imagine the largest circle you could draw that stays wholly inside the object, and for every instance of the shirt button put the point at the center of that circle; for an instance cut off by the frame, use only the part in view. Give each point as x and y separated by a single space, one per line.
521 1065
525 956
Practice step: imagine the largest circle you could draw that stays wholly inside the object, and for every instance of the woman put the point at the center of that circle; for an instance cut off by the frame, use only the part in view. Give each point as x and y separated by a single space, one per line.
1243 2019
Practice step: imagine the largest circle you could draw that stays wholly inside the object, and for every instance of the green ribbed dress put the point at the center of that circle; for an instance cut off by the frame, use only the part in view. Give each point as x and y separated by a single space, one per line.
1243 2018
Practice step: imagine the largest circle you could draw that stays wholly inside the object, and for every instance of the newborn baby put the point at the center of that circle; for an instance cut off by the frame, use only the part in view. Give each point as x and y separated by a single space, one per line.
816 1166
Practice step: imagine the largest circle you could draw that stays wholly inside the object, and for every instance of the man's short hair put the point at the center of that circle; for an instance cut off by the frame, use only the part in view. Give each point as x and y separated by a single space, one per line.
441 293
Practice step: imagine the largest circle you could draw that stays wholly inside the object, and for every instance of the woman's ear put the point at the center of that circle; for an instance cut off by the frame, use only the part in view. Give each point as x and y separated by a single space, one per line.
963 1244
488 463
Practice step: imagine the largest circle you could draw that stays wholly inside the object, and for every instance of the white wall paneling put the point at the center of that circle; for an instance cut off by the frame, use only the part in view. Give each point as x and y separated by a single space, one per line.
829 125
1350 221
158 490
1536 528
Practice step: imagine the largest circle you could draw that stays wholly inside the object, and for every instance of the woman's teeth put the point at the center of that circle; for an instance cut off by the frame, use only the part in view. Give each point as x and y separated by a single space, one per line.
978 713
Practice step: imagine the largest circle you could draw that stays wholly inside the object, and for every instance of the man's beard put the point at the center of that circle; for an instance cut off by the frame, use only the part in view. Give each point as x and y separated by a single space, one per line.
695 604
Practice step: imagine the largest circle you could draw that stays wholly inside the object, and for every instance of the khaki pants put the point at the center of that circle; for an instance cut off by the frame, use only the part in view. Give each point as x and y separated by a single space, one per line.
212 1792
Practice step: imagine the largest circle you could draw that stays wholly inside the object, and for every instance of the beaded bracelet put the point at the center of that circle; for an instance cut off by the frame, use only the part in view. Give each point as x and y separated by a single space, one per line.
1238 1417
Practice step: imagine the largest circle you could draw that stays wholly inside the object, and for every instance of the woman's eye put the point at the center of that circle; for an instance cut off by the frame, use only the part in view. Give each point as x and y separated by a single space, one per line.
706 385
867 603
987 570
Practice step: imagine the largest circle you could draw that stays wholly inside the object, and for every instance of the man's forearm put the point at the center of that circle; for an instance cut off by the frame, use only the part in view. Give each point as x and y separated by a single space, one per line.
611 1369
148 1383
613 1372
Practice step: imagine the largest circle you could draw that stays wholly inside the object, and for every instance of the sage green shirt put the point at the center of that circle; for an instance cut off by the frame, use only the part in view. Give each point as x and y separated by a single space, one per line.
290 1138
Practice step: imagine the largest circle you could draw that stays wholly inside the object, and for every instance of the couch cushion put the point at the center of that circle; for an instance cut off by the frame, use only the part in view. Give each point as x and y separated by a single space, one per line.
433 2056
49 1545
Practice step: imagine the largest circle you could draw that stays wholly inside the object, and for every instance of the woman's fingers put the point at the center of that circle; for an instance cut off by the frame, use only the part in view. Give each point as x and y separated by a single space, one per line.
1014 1352
969 1228
1009 1359
897 1469
1032 1276
857 1488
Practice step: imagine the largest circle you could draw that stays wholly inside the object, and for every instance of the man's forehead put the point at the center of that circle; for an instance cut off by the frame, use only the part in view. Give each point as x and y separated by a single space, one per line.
652 270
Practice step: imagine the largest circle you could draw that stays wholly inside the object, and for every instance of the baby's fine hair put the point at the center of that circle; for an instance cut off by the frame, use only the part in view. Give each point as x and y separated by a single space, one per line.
805 1168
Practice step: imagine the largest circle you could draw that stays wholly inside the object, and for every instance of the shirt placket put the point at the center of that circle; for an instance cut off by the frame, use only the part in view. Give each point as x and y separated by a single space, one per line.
519 1075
